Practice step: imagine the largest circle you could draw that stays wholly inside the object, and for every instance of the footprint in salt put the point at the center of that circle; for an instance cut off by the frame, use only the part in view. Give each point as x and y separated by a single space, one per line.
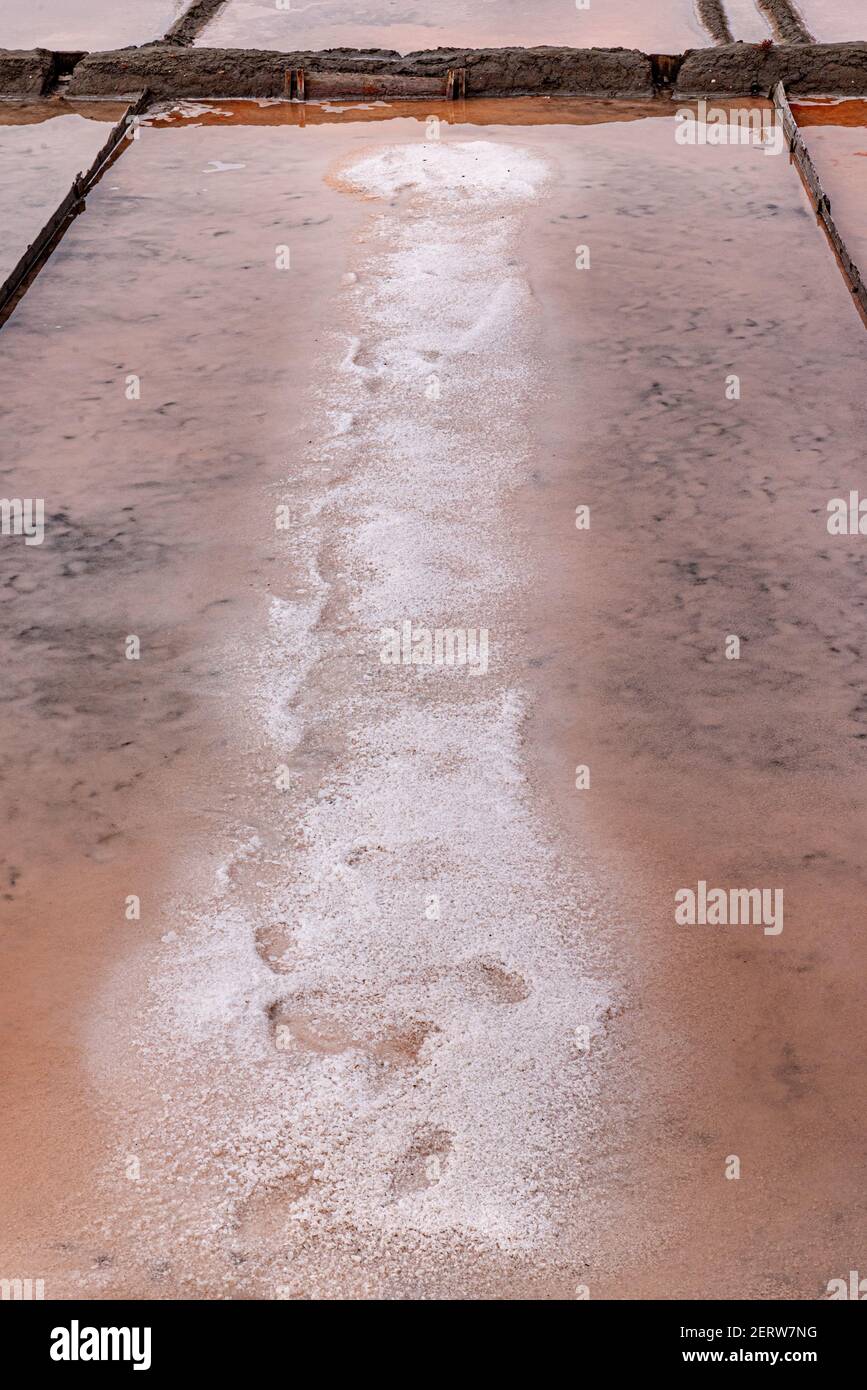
486 978
297 1022
267 1212
424 1163
277 946
311 1023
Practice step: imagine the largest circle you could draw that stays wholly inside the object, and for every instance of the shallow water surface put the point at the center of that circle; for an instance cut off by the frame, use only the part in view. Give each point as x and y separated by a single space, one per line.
834 21
348 374
746 21
85 23
665 26
42 148
836 135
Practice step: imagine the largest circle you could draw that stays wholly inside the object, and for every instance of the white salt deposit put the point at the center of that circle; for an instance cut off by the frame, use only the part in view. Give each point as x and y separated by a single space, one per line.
184 110
475 171
381 1032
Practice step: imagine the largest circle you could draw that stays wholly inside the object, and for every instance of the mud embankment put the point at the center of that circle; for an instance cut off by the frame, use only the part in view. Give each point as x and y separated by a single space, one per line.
190 24
715 20
25 72
169 70
209 72
740 69
786 22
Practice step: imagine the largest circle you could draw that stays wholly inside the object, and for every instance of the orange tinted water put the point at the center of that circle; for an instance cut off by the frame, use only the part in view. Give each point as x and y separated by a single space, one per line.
830 111
155 1119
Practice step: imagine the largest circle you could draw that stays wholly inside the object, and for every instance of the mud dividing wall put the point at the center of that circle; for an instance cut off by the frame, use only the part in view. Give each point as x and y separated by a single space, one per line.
171 70
193 20
203 72
25 74
715 20
741 69
785 21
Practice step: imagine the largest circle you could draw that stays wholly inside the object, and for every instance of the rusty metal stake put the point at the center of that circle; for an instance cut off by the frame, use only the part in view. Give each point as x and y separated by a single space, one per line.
456 84
294 84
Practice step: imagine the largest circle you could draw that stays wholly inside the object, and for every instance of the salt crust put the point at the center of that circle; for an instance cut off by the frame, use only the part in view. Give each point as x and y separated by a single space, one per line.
384 1070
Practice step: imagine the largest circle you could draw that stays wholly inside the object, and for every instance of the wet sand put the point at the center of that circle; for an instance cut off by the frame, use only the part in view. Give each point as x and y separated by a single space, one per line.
42 148
88 24
287 1079
670 26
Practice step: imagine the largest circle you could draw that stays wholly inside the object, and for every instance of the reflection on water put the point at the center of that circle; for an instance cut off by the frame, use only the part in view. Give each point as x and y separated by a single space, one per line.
663 27
840 111
42 148
834 21
85 23
836 135
481 111
746 22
